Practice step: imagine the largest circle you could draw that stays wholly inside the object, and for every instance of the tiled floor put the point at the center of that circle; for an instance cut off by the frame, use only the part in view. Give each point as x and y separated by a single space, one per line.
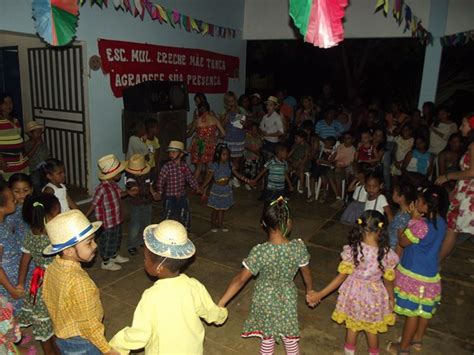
219 256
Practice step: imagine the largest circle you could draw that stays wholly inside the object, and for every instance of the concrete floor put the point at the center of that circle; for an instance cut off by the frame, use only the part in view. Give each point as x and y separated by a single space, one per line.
219 257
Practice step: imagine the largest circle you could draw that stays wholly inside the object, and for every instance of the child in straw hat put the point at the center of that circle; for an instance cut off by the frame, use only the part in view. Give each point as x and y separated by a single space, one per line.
107 206
37 152
167 318
138 175
71 297
172 182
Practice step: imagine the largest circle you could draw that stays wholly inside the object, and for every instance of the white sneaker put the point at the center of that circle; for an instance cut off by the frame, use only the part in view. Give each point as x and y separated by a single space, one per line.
235 182
247 187
111 266
120 259
300 191
214 230
225 230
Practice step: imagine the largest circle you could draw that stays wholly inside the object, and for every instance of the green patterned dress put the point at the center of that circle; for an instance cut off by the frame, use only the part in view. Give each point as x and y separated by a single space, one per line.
273 312
34 310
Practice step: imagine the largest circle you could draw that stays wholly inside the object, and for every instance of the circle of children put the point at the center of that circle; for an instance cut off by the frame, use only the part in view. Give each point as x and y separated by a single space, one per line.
389 266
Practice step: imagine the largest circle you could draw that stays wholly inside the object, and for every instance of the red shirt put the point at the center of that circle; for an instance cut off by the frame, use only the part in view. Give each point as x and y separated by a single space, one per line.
107 202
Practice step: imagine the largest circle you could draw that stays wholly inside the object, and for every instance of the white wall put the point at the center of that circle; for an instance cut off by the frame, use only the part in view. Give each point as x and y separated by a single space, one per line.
94 23
269 19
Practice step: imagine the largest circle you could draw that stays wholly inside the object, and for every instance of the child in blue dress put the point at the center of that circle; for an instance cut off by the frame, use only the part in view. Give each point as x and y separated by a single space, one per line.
221 197
417 281
10 251
404 194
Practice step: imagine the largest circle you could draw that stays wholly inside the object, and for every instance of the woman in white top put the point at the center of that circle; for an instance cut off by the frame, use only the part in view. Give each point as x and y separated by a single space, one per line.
271 126
441 130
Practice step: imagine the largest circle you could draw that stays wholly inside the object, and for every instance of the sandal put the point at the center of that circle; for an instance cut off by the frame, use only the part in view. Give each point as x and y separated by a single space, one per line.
394 348
417 345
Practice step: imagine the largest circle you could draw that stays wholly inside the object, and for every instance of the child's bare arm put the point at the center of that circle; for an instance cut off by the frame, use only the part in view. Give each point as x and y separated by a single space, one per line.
307 278
72 205
389 213
389 286
259 176
24 263
209 175
235 285
331 287
288 181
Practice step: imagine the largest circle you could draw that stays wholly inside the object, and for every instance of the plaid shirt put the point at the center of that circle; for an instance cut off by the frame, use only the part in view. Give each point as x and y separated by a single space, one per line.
173 177
107 202
73 303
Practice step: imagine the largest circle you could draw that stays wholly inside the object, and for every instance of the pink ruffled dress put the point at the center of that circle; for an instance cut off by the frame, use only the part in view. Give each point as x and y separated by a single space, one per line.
363 301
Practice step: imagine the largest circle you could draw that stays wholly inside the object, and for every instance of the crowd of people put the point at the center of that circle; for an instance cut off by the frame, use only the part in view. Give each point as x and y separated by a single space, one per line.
399 169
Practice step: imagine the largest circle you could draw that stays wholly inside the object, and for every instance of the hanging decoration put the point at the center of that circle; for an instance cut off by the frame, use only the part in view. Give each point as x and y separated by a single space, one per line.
457 39
319 21
56 20
138 8
402 12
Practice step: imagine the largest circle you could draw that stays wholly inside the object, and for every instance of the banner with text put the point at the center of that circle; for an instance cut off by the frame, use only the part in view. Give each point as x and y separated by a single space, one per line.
129 64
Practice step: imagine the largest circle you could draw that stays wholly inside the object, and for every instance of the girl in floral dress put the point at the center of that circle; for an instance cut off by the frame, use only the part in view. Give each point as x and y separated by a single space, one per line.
37 211
417 282
460 215
221 197
273 311
366 273
9 329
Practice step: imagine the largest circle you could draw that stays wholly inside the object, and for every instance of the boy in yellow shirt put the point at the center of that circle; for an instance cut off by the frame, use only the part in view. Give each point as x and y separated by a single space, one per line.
69 293
167 318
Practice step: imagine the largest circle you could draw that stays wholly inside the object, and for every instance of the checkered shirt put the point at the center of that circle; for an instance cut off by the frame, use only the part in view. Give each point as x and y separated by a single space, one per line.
173 177
107 202
73 303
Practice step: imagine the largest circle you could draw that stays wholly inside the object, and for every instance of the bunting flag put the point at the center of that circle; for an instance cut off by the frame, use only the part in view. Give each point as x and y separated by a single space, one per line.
138 8
402 12
457 39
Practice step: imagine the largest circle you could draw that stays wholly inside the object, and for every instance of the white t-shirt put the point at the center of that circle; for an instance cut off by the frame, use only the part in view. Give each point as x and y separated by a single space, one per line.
437 143
360 194
271 124
378 204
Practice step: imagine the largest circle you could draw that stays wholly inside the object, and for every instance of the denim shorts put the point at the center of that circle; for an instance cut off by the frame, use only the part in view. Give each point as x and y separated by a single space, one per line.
76 346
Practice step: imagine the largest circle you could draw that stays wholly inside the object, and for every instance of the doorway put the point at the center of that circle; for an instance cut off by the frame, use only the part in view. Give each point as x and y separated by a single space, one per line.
10 78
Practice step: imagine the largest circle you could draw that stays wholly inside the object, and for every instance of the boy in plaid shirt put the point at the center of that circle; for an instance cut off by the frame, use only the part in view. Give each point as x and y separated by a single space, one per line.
172 181
107 206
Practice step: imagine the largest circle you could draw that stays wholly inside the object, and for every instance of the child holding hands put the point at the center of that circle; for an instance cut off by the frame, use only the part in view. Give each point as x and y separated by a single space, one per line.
365 302
273 312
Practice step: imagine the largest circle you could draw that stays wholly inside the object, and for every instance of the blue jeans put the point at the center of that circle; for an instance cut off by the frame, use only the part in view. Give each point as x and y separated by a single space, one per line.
177 208
77 346
140 217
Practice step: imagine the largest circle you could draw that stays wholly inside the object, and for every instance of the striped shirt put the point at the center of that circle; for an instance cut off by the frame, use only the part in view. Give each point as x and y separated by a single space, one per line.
323 130
276 174
12 145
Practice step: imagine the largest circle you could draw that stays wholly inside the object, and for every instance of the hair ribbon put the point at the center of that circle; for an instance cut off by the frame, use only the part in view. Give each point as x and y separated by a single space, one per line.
359 221
38 204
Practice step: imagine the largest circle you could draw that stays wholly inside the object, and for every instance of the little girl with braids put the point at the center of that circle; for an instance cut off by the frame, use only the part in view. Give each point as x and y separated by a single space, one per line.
366 274
273 311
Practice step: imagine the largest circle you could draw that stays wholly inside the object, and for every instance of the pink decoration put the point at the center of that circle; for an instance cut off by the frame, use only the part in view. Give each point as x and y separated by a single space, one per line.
325 28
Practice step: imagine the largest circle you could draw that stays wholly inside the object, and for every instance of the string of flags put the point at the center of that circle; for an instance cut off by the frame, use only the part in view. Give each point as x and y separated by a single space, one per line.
402 12
457 39
138 8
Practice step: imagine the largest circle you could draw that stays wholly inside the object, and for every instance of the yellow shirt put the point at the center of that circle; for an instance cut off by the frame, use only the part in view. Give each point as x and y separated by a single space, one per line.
73 303
167 318
152 146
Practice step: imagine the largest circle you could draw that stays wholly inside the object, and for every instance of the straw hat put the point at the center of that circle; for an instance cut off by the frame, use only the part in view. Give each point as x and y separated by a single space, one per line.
257 95
67 229
176 146
110 166
273 99
169 239
32 125
137 165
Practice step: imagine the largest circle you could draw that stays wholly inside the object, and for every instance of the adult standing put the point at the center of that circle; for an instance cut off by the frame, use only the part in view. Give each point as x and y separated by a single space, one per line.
441 130
232 120
271 126
204 142
12 159
460 217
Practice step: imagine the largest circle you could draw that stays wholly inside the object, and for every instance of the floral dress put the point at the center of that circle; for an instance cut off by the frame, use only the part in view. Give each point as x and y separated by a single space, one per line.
204 144
363 302
221 196
417 282
9 329
34 310
10 261
460 215
273 311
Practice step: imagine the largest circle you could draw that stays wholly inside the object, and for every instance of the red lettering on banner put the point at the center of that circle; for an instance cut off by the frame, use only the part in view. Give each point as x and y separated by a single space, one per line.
130 64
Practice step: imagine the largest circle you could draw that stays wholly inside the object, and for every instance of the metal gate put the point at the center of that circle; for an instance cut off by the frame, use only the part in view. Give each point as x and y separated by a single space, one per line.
57 97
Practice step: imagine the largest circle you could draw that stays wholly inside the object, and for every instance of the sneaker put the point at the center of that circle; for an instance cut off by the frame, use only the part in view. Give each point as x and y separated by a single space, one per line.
225 230
110 265
119 259
310 199
247 187
133 251
235 182
214 230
